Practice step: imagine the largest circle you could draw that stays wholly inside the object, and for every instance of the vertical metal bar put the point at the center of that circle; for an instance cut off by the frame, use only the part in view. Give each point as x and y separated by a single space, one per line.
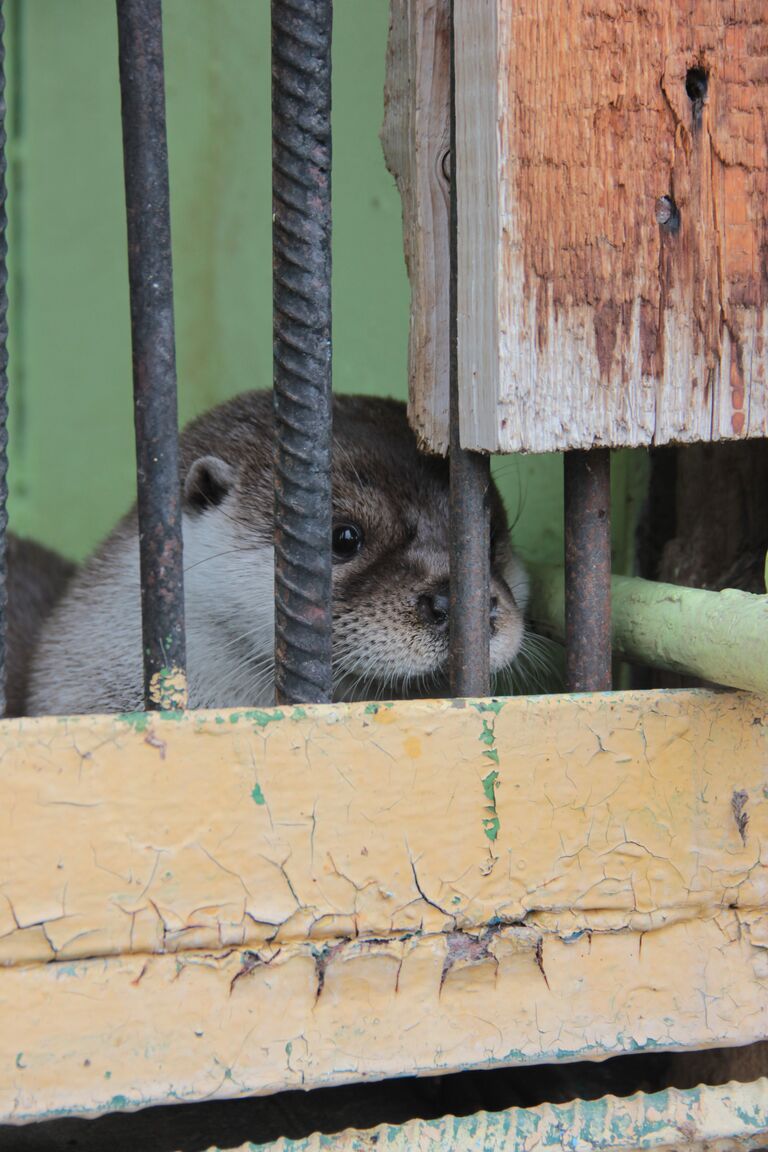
145 154
301 253
3 374
470 479
588 570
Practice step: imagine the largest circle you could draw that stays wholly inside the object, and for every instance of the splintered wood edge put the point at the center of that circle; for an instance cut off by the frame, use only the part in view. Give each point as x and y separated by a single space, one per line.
415 139
718 1119
222 904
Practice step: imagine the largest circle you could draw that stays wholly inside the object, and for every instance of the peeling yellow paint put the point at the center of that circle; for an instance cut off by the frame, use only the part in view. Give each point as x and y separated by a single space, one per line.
168 689
215 904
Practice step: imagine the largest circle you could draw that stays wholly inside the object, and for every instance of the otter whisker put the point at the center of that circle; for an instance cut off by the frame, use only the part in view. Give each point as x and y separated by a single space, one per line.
218 556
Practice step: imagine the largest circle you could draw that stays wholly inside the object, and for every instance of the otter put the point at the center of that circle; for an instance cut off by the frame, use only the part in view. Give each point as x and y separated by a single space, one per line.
37 579
390 573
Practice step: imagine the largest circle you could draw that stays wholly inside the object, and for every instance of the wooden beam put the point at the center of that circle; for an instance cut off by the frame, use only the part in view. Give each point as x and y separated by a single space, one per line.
612 174
583 319
219 904
415 138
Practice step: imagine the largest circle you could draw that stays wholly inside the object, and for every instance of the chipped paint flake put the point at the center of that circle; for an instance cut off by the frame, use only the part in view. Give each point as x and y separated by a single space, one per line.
168 689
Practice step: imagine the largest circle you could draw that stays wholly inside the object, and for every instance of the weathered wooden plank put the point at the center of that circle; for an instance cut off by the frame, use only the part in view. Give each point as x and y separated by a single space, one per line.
415 138
582 319
220 904
716 1119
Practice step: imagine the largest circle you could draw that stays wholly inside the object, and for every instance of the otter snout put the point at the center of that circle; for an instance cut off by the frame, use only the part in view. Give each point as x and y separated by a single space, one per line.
433 609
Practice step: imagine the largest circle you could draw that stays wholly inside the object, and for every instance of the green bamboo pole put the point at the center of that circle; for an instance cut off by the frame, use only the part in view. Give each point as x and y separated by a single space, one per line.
721 637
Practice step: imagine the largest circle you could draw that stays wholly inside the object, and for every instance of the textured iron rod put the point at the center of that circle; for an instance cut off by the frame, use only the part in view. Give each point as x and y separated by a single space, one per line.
588 570
301 254
145 154
470 518
3 374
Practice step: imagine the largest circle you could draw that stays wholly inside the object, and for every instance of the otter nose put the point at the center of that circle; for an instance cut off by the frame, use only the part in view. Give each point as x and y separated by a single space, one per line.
433 609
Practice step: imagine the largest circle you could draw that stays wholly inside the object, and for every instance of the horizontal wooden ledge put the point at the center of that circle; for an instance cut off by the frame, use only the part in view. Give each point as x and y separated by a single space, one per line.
128 1032
153 834
695 1119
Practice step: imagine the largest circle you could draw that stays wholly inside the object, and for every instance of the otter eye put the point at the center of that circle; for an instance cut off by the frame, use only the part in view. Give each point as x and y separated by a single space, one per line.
347 540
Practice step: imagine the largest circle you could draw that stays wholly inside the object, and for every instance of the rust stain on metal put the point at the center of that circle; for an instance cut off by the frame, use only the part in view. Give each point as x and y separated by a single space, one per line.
588 570
147 198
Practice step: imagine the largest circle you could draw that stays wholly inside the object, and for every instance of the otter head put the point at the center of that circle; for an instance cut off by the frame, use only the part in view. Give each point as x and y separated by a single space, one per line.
390 556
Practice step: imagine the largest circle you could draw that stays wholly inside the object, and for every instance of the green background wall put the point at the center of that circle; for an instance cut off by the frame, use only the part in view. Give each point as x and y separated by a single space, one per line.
71 424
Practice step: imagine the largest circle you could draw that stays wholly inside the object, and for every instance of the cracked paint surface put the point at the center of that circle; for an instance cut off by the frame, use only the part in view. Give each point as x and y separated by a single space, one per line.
215 904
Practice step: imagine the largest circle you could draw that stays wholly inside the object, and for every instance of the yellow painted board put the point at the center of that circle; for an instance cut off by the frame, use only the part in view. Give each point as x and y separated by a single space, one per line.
704 1119
215 904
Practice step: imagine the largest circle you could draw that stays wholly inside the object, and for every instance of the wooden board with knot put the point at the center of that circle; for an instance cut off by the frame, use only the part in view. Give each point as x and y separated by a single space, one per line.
612 167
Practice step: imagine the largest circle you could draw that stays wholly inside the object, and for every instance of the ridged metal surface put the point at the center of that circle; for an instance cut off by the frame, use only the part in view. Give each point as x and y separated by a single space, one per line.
728 1118
145 154
588 570
301 238
470 517
3 372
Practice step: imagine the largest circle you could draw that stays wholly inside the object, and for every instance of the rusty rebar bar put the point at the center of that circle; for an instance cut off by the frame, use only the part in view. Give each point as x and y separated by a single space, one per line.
3 375
145 154
301 253
588 570
470 480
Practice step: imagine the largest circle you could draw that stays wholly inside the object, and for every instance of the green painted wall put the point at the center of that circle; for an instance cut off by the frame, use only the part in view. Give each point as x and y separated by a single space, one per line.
71 425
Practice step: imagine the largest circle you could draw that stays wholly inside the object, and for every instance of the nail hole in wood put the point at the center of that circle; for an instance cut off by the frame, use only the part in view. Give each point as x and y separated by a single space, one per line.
696 83
667 214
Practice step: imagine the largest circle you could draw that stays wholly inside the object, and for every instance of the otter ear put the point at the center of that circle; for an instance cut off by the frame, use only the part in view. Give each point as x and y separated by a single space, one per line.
208 481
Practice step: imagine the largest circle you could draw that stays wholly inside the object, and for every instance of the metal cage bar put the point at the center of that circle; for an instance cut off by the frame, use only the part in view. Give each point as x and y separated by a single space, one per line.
3 374
470 479
301 253
587 478
145 153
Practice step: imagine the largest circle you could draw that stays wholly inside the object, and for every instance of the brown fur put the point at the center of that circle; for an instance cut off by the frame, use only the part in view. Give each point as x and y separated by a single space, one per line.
89 655
37 579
